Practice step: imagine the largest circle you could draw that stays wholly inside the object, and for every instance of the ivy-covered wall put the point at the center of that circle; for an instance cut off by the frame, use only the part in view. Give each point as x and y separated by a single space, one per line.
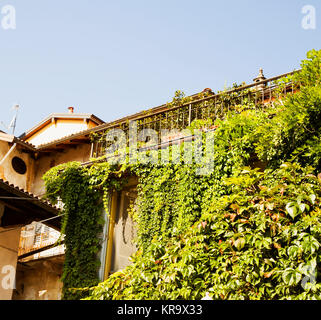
237 233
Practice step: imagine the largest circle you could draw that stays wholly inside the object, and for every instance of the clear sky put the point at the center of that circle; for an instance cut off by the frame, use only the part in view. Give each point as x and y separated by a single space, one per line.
114 58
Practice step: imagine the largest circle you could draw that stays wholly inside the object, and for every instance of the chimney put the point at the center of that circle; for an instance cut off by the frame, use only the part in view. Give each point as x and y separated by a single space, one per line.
71 109
259 78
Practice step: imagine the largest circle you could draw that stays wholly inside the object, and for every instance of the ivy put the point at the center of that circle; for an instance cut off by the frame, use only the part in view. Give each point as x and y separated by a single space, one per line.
244 246
248 230
80 189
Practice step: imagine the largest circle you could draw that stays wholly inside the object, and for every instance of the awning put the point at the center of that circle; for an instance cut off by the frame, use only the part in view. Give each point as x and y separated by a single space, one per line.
19 208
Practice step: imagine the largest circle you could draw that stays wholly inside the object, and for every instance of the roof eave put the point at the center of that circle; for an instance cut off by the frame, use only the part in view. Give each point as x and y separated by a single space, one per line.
52 116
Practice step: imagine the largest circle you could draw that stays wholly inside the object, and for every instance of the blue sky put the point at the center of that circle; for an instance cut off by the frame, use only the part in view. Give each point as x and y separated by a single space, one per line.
114 58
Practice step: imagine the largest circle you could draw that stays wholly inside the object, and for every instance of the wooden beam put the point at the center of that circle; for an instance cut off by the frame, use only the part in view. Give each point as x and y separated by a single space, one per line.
51 150
79 141
30 253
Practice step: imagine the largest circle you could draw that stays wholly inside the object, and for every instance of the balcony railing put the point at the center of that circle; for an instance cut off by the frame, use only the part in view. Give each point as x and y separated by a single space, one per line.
204 106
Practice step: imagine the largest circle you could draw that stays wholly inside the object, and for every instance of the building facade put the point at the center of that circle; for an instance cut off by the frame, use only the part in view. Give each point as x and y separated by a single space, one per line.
29 227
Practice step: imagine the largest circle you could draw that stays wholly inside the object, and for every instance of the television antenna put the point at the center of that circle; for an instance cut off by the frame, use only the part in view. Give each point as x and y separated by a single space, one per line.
13 122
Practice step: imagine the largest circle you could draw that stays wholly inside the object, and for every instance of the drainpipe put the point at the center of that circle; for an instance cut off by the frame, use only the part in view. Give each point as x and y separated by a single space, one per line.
103 250
8 154
111 234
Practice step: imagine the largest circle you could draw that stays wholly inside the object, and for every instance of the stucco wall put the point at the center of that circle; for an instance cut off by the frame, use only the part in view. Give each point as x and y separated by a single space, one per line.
9 242
39 279
7 172
79 153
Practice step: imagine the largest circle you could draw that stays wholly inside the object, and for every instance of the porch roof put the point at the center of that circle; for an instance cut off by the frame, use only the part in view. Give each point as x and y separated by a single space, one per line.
20 208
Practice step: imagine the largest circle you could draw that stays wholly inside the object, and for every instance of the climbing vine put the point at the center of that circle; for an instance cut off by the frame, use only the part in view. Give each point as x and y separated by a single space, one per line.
258 242
249 229
81 190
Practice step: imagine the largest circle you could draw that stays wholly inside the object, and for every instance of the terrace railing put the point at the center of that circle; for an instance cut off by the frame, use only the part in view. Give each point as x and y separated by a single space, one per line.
204 106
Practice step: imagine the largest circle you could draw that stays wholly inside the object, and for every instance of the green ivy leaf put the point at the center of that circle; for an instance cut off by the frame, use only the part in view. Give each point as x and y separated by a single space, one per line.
291 210
293 251
291 276
239 243
312 198
302 207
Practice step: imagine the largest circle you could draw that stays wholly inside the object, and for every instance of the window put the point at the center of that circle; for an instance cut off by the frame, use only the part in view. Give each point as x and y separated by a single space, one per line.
19 165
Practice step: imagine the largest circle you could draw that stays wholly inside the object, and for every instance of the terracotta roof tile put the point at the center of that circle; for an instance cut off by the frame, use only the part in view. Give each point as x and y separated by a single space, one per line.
29 195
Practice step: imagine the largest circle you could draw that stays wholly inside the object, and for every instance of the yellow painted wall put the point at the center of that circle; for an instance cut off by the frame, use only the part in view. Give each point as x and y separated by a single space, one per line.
79 153
58 129
9 242
49 287
91 124
7 172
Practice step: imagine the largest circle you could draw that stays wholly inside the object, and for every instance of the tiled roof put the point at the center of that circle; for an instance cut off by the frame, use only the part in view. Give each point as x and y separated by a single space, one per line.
68 137
13 139
24 207
152 111
25 144
28 195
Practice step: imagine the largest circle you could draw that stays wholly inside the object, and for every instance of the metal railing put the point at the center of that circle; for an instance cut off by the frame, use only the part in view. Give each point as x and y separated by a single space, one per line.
204 106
